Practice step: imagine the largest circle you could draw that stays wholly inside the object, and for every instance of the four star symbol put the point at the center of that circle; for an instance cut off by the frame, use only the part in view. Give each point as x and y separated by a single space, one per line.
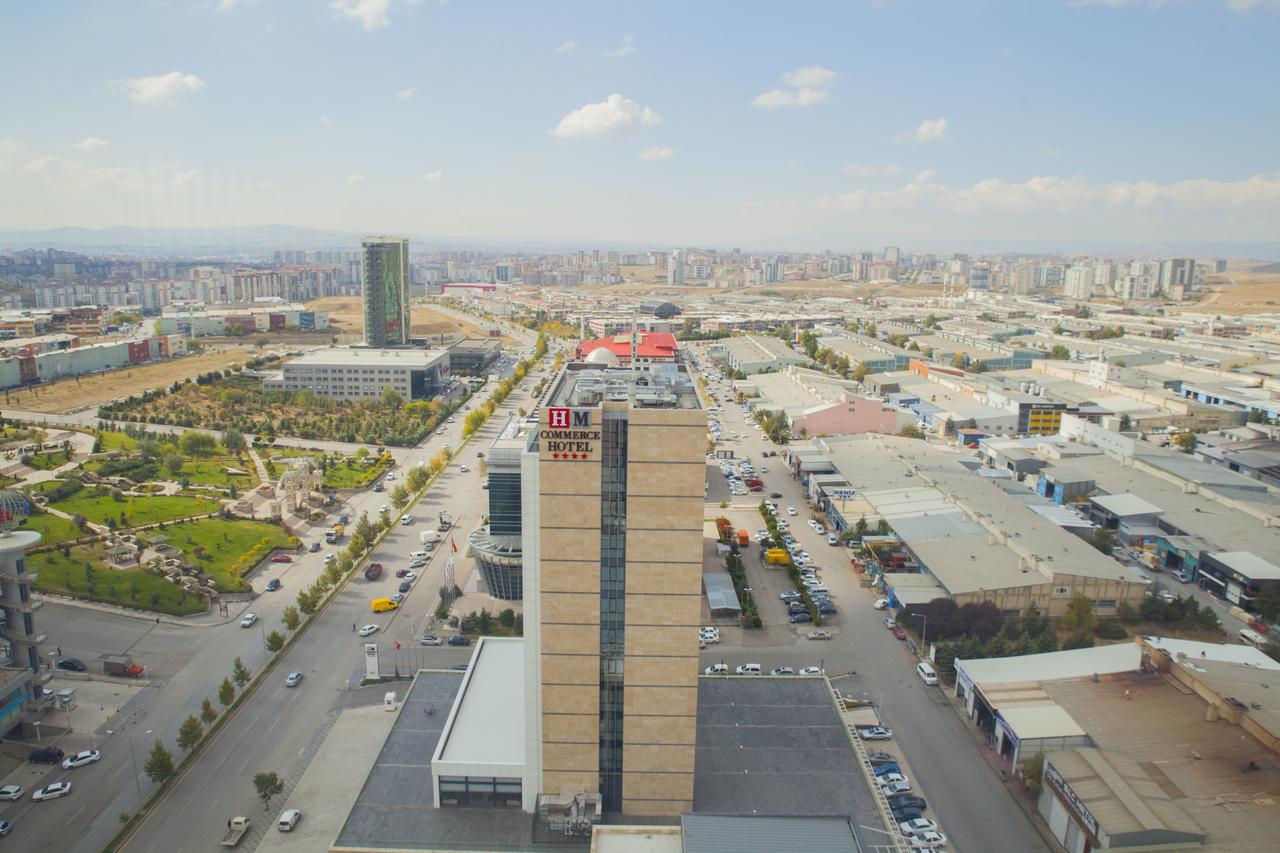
568 456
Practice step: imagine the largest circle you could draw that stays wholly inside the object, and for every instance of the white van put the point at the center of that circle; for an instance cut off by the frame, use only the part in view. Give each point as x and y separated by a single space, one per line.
1252 637
748 669
816 587
288 820
417 555
926 673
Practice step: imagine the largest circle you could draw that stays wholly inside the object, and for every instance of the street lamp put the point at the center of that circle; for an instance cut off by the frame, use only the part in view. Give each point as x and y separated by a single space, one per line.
924 629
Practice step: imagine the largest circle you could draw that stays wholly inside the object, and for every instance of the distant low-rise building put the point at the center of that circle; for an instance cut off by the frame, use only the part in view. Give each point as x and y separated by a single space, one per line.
341 373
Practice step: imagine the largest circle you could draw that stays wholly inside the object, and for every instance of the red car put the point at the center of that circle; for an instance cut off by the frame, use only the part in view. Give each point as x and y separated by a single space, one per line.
282 558
401 572
900 633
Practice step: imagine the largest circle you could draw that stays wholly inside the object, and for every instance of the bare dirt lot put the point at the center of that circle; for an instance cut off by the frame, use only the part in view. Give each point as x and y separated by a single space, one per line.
1241 294
86 392
345 319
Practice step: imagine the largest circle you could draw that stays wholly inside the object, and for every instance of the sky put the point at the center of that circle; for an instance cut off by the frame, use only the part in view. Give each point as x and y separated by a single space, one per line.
798 125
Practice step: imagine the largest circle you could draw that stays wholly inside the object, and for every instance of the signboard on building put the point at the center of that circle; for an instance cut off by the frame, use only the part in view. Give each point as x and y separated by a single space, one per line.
842 494
570 434
371 661
1055 780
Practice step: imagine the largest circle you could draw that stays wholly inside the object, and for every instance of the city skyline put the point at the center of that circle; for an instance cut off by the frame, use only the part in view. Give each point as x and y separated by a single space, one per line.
573 124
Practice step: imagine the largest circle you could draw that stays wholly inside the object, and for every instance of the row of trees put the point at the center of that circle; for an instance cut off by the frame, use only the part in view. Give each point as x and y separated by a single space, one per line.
477 417
774 423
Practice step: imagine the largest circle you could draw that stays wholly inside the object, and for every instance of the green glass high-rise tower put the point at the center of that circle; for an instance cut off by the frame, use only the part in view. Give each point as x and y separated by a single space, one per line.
384 279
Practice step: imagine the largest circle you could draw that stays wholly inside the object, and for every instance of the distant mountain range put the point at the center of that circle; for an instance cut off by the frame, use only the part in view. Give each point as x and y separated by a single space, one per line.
255 240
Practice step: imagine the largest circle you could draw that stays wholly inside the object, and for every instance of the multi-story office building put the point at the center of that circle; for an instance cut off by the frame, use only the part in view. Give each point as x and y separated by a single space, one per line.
384 280
612 525
21 676
339 373
497 545
675 268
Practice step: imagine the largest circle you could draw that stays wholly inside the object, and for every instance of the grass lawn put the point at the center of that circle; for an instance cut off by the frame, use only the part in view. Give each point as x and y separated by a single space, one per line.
211 471
52 528
41 487
227 547
84 575
49 461
27 435
113 440
137 510
349 474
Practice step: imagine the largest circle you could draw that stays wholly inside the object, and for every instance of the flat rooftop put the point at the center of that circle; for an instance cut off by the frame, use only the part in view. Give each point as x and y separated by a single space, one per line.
360 357
486 726
662 385
776 746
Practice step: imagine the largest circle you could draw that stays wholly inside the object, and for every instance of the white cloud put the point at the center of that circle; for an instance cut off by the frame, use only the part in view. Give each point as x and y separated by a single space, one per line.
91 144
406 94
1050 194
625 48
432 177
160 88
567 46
656 153
371 14
801 88
357 178
931 130
871 170
612 116
266 185
182 180
47 165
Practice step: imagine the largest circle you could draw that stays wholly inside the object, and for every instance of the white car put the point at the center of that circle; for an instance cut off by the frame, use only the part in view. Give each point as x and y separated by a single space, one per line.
928 841
383 508
248 620
368 629
410 576
791 510
406 520
915 827
417 563
11 792
819 634
875 733
51 792
895 788
881 603
464 469
832 539
288 820
716 669
813 670
80 759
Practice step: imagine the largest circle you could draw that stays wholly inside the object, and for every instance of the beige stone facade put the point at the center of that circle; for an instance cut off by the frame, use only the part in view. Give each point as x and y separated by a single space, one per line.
662 605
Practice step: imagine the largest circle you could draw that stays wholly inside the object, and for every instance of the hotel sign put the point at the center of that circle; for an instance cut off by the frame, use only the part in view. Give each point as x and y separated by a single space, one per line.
1087 820
569 434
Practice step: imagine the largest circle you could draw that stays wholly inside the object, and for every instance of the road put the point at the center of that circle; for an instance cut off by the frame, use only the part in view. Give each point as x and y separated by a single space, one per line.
964 794
190 671
273 729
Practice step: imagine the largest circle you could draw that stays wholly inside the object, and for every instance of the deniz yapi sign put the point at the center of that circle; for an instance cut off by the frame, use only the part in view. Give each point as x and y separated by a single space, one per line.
569 434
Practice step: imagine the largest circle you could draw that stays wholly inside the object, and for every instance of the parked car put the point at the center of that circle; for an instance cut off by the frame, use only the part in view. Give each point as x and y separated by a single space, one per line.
819 634
775 495
885 769
801 617
890 622
895 788
917 826
881 603
782 670
791 510
906 812
430 640
411 576
366 630
716 669
459 640
900 633
813 670
11 792
875 733
928 840
294 679
80 759
290 817
880 758
273 585
48 755
397 598
5 828
51 792
826 608
282 558
313 547
401 572
748 669
72 665
907 801
790 595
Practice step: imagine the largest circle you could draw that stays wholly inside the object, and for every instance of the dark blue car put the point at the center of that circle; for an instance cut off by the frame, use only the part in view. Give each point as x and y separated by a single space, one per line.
273 584
459 640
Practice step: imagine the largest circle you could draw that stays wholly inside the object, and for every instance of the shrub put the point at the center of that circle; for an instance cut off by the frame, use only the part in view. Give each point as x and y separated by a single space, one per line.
1110 630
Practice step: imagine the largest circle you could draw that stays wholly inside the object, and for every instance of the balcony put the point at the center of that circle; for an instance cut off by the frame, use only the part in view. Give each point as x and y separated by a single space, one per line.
14 577
13 634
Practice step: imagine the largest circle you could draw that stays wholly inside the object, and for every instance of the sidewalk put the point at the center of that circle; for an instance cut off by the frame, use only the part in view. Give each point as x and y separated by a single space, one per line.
209 619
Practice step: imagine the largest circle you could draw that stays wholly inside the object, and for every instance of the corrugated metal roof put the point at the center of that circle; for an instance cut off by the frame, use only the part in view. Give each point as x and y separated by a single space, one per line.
720 592
766 834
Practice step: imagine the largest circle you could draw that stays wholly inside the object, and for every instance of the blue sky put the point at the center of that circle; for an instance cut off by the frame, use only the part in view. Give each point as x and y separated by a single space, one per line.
771 125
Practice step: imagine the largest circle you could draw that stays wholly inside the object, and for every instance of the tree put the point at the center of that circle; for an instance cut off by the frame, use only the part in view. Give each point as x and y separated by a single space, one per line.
307 602
159 766
1126 423
189 733
911 431
400 496
239 673
1267 602
1078 640
1186 441
207 714
267 785
291 618
1079 616
1060 353
980 619
197 444
1033 774
275 641
1104 540
233 440
390 399
173 463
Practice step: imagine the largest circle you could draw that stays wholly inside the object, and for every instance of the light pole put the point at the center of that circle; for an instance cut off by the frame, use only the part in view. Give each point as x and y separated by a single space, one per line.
924 629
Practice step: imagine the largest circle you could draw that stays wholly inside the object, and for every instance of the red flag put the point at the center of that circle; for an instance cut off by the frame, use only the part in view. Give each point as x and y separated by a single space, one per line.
397 646
453 545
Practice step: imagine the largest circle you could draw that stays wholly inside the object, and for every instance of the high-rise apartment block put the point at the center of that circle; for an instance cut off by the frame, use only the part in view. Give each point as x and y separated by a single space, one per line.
612 544
675 268
384 279
891 254
21 676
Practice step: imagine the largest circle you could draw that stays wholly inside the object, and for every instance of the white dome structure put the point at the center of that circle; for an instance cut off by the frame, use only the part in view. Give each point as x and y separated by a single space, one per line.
603 355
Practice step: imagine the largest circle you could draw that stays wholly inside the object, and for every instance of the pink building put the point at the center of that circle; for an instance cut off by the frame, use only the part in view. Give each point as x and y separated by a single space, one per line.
851 415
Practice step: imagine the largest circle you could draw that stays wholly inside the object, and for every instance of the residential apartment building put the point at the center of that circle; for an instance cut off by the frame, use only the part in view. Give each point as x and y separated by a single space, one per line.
384 279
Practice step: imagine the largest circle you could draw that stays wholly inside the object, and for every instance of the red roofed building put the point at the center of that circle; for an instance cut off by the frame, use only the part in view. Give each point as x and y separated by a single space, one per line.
650 346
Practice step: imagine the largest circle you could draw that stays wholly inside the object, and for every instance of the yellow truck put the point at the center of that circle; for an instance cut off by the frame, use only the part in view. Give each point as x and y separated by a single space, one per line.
381 605
778 556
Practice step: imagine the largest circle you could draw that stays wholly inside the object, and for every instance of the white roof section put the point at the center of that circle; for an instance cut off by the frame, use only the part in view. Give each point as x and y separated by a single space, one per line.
1126 504
636 839
1195 651
1248 564
486 723
1041 721
361 357
1052 666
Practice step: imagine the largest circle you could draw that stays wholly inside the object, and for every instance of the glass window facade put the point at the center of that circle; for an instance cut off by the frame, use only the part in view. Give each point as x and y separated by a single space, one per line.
480 791
613 585
504 503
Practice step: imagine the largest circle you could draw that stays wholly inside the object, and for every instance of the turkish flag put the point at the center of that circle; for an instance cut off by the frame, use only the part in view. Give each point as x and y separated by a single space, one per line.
453 545
397 646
